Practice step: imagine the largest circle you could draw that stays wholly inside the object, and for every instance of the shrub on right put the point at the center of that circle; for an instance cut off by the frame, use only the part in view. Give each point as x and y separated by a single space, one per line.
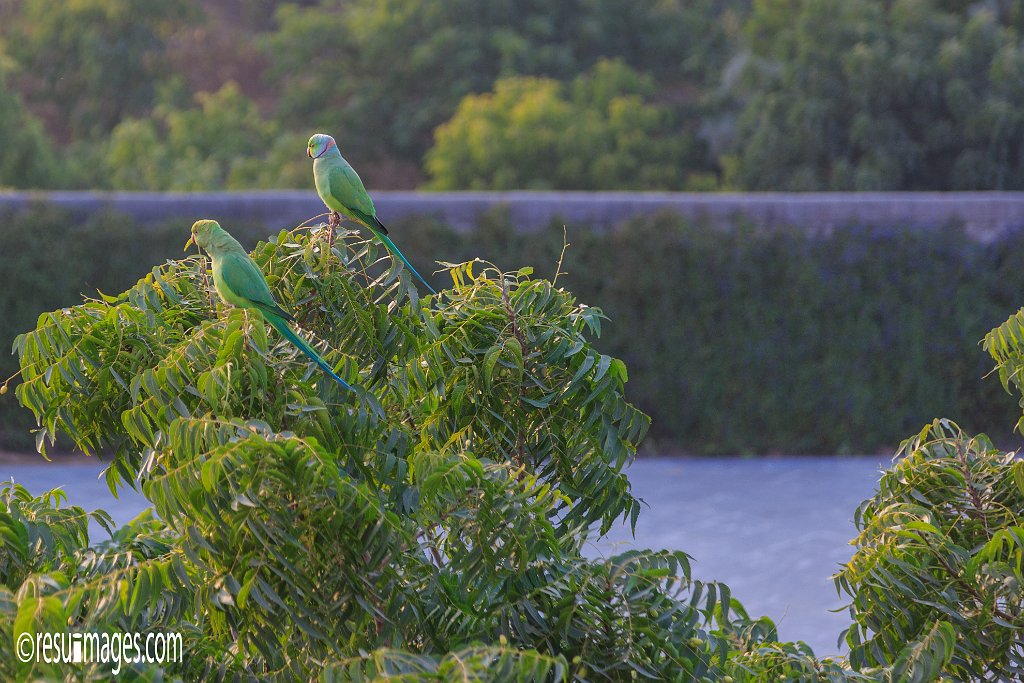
940 560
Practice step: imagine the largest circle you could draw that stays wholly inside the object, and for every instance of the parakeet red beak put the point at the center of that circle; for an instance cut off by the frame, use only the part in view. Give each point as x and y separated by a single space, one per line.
309 153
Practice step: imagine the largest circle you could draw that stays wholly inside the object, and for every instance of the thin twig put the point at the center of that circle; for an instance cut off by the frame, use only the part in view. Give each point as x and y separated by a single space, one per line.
965 585
206 286
305 223
976 501
561 257
430 545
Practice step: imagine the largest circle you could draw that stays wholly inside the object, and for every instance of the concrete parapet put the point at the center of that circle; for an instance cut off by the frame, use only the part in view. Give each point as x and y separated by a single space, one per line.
986 215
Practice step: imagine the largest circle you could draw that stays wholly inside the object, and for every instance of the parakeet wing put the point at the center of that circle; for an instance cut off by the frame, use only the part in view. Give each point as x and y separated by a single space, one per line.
244 279
347 188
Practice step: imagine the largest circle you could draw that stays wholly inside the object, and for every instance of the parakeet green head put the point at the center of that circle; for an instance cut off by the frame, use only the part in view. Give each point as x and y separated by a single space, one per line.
203 233
214 239
319 144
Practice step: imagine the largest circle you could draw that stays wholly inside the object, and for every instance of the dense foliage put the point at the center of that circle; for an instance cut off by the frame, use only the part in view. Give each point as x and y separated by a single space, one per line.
881 95
601 132
940 558
442 507
763 95
432 522
88 67
840 335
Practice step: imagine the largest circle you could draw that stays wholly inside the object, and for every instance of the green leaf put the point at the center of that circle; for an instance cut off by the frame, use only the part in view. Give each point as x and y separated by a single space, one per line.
490 359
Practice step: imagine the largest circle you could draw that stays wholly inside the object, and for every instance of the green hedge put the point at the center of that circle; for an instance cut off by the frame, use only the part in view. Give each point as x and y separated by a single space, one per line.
737 341
756 341
49 260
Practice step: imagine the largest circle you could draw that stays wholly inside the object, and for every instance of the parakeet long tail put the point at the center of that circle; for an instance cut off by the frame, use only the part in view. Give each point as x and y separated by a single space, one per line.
281 326
381 233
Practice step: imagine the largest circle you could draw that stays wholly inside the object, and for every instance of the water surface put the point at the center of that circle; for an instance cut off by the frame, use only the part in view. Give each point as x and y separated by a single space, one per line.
773 529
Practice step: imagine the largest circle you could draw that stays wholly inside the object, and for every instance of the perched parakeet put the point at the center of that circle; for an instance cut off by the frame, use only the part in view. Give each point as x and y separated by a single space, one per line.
239 282
341 189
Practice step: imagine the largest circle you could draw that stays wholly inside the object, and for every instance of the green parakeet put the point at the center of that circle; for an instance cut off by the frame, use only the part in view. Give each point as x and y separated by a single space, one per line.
341 189
239 282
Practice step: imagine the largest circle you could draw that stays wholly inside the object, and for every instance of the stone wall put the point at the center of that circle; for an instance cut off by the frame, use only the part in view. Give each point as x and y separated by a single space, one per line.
986 215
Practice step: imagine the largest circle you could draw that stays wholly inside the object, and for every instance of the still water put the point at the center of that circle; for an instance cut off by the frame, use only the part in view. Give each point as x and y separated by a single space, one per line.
773 529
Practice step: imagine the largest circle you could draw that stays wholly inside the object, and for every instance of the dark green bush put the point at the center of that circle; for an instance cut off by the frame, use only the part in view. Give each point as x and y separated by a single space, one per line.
738 341
939 557
746 340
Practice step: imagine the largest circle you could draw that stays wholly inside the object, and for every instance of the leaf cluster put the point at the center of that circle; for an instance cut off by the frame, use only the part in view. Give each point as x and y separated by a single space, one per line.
408 528
879 95
937 580
601 131
433 522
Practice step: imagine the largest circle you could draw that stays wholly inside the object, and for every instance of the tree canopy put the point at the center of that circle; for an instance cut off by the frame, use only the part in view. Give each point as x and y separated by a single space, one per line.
599 132
875 95
89 63
434 520
223 142
768 95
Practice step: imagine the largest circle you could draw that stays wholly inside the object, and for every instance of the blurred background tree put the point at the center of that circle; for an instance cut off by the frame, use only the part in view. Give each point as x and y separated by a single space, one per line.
879 95
391 71
27 159
724 94
381 75
223 142
88 63
599 132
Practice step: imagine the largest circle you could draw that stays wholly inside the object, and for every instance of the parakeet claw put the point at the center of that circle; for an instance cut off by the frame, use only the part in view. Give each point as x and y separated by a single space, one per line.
333 222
